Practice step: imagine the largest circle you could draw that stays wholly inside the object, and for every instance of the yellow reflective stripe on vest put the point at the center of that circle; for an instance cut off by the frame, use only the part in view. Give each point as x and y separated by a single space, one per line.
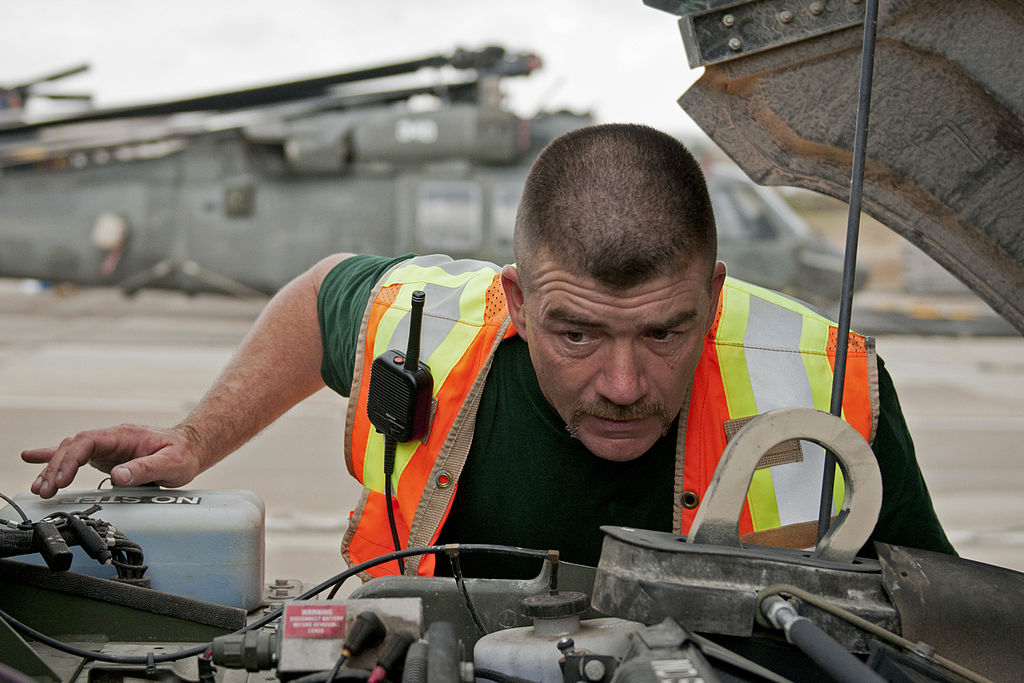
785 364
731 358
373 467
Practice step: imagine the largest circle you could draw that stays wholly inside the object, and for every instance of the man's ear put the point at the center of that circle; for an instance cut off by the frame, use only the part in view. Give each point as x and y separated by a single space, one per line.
513 287
717 282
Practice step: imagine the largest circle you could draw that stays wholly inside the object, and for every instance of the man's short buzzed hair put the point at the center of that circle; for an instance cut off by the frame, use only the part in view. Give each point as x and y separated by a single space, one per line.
620 203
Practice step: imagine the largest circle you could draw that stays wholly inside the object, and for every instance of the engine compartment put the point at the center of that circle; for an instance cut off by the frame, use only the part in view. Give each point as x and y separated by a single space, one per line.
658 606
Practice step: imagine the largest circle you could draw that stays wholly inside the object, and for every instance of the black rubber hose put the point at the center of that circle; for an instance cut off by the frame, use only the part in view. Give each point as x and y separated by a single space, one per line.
828 654
416 663
443 653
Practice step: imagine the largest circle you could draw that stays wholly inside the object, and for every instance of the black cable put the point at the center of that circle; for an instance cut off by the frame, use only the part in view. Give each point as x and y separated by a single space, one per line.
100 540
16 507
453 559
204 665
336 668
87 536
392 656
315 677
338 579
26 630
494 549
334 583
492 675
390 446
78 669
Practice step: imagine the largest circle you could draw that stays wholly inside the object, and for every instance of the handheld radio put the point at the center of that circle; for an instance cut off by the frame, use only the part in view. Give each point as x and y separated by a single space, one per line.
399 397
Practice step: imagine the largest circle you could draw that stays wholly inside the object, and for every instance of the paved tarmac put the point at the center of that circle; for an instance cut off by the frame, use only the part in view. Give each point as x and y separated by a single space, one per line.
75 360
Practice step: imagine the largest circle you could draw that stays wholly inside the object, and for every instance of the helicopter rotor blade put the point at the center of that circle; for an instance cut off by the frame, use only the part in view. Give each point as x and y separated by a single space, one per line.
64 73
64 96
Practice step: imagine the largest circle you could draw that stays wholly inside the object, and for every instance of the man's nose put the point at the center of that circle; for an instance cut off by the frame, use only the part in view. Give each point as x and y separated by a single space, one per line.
622 380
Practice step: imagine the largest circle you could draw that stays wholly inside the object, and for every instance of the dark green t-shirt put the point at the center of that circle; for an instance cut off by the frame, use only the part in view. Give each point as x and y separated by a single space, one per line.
528 483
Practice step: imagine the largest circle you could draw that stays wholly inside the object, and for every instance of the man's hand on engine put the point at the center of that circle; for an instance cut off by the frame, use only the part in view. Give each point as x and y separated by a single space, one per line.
132 454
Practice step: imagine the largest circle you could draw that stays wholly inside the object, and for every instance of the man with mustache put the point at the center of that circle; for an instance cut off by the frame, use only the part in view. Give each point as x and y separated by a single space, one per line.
593 382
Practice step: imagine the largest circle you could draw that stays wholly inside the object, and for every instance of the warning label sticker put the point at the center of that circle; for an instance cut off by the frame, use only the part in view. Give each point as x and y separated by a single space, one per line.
314 621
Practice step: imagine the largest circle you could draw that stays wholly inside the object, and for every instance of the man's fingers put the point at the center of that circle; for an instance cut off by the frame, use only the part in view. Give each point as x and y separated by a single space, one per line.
62 466
145 470
38 455
132 454
101 447
165 467
122 475
59 470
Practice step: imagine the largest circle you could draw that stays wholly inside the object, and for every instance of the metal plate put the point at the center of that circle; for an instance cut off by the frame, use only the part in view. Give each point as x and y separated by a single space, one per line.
945 148
968 611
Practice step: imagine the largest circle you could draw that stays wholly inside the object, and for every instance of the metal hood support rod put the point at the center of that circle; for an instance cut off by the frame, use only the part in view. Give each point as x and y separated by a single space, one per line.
860 142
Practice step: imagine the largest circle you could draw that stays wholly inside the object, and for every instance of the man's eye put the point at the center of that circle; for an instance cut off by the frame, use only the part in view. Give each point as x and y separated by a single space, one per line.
575 336
661 335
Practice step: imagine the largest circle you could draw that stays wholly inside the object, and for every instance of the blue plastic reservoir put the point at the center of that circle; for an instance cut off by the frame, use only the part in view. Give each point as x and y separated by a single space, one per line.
206 545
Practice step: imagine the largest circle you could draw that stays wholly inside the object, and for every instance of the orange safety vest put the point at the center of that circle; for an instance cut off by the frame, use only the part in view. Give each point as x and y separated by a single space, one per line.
764 351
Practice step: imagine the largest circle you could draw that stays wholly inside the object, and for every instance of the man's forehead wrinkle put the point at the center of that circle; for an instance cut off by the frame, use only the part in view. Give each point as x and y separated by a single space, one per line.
564 315
681 318
664 302
560 314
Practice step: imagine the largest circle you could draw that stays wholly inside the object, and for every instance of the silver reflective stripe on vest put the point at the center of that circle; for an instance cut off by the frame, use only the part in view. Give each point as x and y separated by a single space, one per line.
778 379
442 304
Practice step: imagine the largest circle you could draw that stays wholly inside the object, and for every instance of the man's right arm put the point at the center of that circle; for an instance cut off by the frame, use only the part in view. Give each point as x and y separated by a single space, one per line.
276 366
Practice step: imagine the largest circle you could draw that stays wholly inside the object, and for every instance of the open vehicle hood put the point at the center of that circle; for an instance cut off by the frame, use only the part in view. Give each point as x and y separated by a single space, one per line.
945 149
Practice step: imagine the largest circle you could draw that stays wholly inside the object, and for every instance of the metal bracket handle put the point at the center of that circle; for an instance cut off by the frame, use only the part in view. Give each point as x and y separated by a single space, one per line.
717 520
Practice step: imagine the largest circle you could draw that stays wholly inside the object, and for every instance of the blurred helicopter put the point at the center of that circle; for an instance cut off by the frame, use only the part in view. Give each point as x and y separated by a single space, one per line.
240 191
14 97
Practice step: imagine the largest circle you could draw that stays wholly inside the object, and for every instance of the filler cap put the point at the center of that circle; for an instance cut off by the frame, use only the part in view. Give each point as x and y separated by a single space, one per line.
555 605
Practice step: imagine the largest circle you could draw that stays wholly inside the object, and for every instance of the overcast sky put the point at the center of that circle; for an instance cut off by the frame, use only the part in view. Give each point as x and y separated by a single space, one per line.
617 58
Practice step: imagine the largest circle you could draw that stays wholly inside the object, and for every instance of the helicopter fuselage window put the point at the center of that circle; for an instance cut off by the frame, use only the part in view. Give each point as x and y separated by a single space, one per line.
449 216
504 202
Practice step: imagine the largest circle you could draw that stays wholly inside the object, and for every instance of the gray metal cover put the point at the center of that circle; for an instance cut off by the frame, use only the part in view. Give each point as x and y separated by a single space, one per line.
649 575
968 611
